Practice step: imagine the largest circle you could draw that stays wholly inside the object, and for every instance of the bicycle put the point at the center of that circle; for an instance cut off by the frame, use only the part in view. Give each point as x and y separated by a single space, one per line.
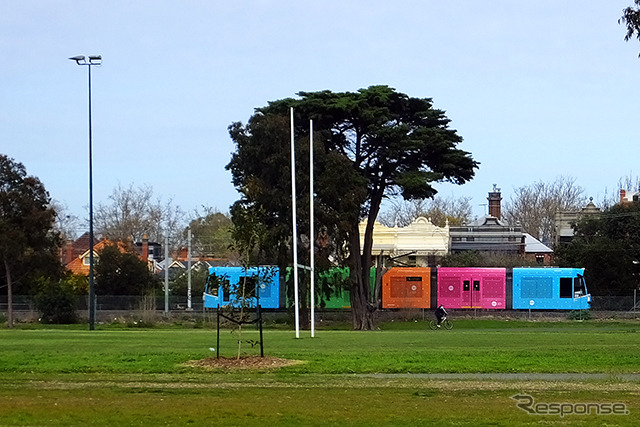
446 323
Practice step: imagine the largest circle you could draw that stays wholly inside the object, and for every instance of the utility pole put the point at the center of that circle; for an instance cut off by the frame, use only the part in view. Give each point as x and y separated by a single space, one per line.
189 270
166 274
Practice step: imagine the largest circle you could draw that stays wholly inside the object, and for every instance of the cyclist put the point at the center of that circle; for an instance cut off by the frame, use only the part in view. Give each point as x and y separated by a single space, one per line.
441 314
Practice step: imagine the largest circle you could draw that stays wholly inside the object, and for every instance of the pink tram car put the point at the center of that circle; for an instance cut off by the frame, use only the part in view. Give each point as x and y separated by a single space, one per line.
472 287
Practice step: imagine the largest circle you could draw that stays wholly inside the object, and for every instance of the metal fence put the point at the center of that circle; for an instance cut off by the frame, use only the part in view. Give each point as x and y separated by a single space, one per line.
628 303
112 302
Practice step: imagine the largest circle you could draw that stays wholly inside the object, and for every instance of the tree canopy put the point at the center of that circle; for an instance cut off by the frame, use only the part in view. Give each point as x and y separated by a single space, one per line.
211 234
608 247
28 245
370 144
631 18
122 272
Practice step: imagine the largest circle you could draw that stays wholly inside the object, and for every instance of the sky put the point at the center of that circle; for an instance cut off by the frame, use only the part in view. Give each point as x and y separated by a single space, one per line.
536 89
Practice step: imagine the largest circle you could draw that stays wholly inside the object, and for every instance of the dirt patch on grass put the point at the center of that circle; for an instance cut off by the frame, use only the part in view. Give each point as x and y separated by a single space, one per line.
244 362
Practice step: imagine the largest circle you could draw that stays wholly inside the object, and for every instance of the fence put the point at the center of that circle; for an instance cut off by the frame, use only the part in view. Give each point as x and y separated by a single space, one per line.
25 304
111 302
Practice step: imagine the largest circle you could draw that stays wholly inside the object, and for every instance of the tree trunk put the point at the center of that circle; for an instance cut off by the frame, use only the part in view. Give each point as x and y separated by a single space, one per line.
9 295
361 309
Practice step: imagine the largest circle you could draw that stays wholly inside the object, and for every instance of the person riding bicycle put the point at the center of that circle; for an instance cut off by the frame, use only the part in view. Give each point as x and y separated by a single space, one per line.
441 314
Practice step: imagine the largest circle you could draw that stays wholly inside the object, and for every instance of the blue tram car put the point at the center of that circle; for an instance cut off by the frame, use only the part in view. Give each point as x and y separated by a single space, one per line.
550 289
227 286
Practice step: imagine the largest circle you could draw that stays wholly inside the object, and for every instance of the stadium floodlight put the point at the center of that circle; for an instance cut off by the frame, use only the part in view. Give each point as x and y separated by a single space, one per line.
94 60
78 59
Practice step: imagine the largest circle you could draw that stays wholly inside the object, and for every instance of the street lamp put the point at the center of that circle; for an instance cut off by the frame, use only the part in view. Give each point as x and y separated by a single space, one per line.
93 60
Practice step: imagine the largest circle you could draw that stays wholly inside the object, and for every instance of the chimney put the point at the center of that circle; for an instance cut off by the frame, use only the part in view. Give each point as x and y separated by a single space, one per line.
145 248
494 202
622 195
68 252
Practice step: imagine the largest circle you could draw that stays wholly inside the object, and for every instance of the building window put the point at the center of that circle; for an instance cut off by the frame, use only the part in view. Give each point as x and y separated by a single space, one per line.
86 260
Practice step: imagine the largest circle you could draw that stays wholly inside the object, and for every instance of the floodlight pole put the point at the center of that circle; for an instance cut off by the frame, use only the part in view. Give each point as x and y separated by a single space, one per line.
93 60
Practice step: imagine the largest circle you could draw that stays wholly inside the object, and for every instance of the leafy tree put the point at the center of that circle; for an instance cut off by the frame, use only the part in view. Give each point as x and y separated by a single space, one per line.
180 282
28 246
385 142
631 17
608 247
440 210
534 206
211 234
134 212
121 272
262 221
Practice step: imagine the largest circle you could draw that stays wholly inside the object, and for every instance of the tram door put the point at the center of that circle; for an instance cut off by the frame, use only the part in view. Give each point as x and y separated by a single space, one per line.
471 293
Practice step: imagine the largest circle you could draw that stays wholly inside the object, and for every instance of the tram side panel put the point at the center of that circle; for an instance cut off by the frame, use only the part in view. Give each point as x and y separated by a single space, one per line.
472 287
406 287
227 285
550 289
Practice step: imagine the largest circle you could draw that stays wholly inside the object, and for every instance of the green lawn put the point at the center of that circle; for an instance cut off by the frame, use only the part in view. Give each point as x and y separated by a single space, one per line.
111 376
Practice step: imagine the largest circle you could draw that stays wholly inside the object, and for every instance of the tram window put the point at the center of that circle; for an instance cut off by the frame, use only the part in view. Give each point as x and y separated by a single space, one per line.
578 286
226 290
566 287
212 288
247 287
466 285
476 285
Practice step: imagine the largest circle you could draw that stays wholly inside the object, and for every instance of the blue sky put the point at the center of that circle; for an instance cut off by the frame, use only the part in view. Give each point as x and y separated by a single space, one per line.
536 89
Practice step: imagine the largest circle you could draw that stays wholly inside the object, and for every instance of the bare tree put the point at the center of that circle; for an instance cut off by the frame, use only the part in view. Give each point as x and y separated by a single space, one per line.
135 212
439 210
628 183
534 206
66 224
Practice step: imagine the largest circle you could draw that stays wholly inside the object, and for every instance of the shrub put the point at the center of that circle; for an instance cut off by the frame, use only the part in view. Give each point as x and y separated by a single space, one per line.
56 302
579 315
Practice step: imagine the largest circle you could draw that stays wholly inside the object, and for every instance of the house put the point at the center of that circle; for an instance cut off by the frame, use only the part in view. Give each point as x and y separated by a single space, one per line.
629 197
76 257
74 249
535 249
490 233
565 221
80 264
419 244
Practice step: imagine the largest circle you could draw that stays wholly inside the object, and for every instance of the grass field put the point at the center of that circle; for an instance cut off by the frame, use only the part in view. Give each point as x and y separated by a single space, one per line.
71 376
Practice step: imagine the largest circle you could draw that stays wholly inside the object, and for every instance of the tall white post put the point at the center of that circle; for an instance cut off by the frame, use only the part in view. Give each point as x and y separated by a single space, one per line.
311 233
295 230
189 269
